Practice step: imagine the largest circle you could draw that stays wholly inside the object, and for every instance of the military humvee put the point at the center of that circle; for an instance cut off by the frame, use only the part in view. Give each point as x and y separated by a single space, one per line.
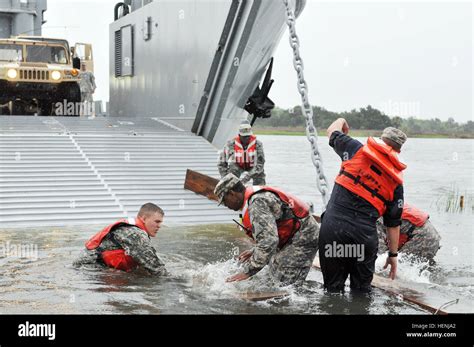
35 75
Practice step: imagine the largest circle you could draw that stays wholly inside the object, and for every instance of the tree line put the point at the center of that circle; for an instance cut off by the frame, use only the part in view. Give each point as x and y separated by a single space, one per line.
367 118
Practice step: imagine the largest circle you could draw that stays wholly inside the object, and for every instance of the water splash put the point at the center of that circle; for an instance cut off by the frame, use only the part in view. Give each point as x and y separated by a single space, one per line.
423 276
212 277
410 269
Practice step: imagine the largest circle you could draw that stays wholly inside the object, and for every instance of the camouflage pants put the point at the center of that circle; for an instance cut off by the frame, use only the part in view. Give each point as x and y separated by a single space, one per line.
424 244
87 108
292 263
87 97
258 180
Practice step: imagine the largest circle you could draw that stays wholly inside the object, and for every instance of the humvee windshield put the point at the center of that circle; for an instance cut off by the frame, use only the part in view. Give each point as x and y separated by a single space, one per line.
46 54
12 53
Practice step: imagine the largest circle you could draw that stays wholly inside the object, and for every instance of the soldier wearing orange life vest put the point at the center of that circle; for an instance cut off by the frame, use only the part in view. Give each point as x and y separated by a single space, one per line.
244 157
126 244
418 237
284 231
369 185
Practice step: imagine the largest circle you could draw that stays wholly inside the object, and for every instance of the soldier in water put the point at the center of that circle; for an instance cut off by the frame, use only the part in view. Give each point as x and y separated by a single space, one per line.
418 236
284 231
126 244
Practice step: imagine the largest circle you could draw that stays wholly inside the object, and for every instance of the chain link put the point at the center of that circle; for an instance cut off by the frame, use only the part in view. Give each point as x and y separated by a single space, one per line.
311 131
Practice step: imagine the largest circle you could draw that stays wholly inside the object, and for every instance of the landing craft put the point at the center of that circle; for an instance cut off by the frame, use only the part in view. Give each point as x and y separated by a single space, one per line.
182 75
195 63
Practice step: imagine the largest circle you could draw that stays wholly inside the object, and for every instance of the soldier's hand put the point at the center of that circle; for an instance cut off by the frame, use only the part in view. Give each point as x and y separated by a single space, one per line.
245 178
345 127
245 256
238 278
393 262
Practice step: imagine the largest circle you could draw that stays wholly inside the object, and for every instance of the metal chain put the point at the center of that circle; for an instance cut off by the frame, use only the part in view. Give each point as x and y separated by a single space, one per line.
311 131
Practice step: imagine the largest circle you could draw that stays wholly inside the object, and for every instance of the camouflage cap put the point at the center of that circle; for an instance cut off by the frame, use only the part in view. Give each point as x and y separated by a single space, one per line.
396 136
225 186
245 128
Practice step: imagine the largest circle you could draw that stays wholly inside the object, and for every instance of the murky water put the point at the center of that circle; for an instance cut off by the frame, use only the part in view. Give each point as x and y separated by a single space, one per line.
200 258
437 168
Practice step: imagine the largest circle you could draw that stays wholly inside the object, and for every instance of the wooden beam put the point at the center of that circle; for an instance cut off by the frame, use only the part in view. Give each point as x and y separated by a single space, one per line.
204 185
394 288
201 184
261 296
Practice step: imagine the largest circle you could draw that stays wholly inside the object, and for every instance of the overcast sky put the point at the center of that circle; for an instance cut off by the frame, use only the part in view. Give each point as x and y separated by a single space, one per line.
408 59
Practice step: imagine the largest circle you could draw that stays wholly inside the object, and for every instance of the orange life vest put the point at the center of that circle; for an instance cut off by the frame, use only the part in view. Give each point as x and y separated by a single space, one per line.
373 174
245 158
116 259
416 217
286 228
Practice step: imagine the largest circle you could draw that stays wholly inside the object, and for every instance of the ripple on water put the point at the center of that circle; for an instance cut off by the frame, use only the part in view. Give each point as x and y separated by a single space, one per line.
199 263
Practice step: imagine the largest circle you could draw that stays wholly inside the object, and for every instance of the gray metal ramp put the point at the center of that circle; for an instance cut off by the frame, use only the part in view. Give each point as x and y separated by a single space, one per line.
68 171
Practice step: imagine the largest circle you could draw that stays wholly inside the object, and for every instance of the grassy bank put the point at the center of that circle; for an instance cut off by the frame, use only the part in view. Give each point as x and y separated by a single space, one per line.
300 131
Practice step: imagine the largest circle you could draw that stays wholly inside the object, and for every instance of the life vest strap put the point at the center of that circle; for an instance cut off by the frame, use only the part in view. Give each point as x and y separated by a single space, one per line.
374 192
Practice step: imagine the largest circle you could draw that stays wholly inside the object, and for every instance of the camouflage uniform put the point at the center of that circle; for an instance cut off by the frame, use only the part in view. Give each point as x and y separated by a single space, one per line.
291 263
87 85
136 244
423 243
227 164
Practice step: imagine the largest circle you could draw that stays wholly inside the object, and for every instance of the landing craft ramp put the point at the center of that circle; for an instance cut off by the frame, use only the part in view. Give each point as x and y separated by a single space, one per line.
67 171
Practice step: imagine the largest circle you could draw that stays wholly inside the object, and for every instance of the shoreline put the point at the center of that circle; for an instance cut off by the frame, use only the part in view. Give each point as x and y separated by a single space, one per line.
300 131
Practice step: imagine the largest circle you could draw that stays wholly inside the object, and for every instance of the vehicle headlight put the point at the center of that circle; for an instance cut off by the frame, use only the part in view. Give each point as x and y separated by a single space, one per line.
75 72
56 75
12 74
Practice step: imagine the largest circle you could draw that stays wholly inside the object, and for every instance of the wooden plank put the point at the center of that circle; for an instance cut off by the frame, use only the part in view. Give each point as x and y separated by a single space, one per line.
261 296
204 185
201 184
394 288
